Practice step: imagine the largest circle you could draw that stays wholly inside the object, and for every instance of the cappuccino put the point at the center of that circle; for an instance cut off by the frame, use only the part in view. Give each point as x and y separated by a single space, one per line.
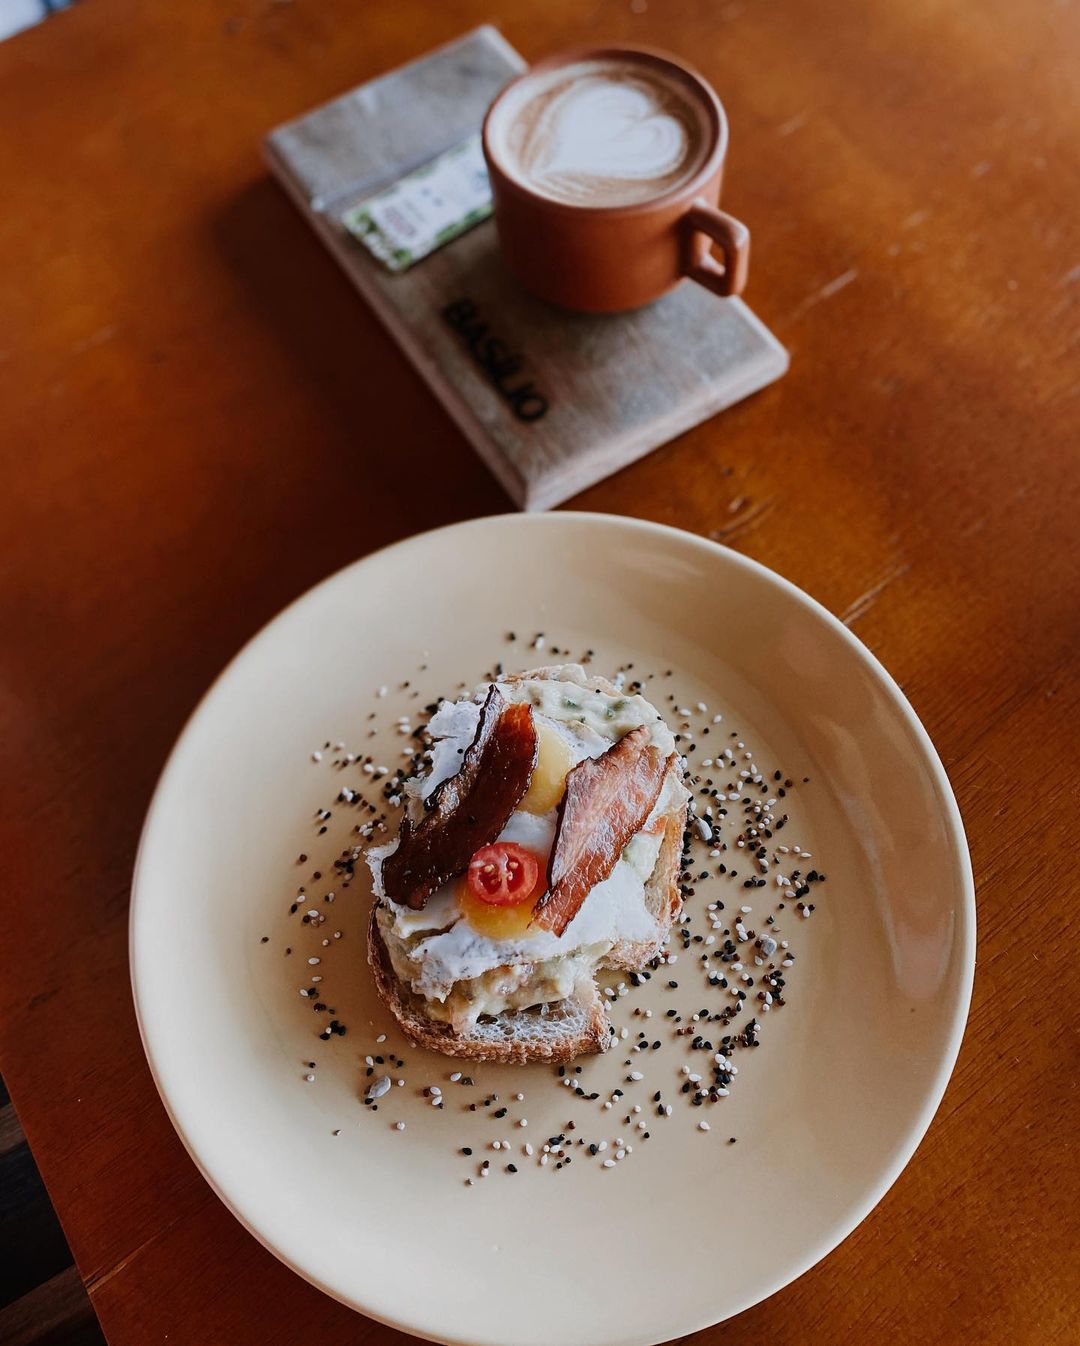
609 131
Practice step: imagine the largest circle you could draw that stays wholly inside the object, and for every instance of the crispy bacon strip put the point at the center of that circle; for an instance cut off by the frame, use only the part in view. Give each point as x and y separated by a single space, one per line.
468 810
607 800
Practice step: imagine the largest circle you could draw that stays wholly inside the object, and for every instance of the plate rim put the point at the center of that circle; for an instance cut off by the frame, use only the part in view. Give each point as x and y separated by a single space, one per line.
966 928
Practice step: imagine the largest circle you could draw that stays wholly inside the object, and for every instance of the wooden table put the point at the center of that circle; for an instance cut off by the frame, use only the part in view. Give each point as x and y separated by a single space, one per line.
201 419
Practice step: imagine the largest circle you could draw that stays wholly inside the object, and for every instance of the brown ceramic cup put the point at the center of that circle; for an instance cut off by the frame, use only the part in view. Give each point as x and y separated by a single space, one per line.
607 258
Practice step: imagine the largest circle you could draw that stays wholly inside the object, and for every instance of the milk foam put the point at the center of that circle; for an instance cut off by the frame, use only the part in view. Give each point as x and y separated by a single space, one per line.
602 133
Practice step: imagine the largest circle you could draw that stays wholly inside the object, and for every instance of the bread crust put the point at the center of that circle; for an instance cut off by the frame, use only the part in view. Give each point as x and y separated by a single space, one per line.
561 1031
569 1028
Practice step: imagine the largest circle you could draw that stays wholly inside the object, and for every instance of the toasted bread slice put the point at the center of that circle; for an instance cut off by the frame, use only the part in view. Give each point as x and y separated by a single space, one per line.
565 1029
553 1033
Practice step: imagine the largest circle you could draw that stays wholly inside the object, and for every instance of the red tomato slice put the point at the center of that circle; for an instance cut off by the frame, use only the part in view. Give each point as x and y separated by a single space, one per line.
503 874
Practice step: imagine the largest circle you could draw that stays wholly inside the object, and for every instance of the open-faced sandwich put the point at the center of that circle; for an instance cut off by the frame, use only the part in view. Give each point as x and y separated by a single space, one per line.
542 845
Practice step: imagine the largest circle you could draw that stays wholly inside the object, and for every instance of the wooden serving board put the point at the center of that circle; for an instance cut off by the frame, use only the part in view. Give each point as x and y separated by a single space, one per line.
552 401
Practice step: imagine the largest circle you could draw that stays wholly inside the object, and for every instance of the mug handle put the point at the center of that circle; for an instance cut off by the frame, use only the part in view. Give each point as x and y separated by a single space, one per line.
733 240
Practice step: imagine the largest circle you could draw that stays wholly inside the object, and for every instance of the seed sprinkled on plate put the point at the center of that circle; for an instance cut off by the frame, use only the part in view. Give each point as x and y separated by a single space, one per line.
739 807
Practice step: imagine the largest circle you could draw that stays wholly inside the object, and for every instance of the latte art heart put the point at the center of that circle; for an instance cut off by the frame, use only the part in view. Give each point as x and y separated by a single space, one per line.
600 130
604 133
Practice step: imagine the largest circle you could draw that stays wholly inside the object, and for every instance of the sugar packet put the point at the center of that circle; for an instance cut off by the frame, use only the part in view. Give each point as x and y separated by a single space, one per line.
425 209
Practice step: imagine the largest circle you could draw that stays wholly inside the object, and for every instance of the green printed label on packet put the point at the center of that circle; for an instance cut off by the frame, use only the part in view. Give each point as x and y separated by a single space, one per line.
427 208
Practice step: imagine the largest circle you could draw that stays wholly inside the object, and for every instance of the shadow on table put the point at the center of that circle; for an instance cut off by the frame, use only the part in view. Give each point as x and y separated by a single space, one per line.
369 404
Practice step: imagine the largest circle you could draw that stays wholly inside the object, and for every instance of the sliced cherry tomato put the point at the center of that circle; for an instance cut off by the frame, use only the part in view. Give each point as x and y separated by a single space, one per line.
503 874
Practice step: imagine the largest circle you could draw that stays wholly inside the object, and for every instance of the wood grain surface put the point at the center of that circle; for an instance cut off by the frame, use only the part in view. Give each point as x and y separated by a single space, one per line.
201 418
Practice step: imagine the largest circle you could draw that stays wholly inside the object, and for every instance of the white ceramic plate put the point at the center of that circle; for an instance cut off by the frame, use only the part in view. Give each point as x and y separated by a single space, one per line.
689 1228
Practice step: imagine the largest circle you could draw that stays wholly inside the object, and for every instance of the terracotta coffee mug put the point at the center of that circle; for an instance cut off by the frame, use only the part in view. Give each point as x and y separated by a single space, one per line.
581 251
